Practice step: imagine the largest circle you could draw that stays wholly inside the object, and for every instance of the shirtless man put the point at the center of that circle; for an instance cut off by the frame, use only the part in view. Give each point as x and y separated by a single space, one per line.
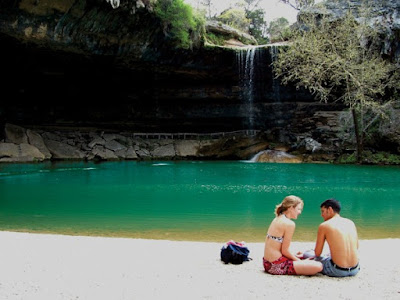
342 238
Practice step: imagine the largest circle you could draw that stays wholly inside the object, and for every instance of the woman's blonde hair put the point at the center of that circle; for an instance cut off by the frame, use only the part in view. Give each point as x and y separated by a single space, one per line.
288 202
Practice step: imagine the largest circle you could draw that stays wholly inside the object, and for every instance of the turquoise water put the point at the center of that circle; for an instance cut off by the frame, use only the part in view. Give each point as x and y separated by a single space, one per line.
213 201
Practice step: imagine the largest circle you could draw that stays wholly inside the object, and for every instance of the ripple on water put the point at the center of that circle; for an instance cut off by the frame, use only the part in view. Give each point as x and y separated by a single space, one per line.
192 200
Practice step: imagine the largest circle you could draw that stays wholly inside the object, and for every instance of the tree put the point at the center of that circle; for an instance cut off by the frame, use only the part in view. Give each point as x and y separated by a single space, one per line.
256 15
235 17
258 26
279 29
245 16
340 60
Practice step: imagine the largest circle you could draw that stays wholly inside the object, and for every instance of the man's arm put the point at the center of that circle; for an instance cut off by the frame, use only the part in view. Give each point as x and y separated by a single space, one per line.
319 245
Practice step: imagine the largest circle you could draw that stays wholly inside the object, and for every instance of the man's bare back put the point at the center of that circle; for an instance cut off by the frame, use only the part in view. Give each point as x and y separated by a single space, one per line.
341 235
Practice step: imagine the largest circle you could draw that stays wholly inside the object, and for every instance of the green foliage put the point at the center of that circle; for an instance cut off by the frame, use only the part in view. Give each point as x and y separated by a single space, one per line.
378 158
347 159
179 21
245 17
382 158
339 60
236 18
258 25
214 39
329 55
279 30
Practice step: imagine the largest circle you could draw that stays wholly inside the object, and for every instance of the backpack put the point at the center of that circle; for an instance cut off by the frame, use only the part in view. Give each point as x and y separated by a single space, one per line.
234 253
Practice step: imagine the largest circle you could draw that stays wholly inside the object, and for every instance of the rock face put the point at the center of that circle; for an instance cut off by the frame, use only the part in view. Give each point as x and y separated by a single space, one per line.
276 156
82 64
89 144
383 15
219 28
10 152
89 65
94 145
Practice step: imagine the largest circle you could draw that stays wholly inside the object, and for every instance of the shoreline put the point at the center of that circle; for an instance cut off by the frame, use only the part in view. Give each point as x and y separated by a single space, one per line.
50 266
31 143
190 236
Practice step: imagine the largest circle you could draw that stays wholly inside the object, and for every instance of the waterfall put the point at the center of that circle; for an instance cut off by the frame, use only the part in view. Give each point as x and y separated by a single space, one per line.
254 64
274 50
246 60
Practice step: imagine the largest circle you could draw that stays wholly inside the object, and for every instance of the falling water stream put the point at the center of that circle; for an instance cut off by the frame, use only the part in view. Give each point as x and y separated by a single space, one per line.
246 60
253 63
275 82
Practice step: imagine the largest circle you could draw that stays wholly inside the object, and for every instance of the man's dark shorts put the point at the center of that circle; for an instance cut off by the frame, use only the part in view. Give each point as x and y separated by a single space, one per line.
331 269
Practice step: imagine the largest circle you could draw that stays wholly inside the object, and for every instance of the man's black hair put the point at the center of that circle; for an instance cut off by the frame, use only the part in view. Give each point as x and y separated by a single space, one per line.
335 204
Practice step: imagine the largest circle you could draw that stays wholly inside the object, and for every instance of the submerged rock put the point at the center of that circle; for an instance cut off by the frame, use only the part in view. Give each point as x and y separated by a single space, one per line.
275 156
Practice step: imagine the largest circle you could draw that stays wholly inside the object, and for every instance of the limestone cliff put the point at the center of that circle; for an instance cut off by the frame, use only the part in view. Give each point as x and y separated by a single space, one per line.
82 64
383 15
88 64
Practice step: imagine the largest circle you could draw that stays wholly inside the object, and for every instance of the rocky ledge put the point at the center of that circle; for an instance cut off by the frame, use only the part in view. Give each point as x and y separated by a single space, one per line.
37 145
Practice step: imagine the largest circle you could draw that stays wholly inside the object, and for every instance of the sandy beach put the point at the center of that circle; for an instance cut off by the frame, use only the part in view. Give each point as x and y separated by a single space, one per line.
46 266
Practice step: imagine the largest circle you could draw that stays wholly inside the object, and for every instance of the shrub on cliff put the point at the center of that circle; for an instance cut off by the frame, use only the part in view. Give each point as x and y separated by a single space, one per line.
235 17
340 59
180 23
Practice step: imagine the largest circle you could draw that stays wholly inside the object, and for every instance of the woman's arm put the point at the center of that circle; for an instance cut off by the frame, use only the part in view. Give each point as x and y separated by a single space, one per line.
289 231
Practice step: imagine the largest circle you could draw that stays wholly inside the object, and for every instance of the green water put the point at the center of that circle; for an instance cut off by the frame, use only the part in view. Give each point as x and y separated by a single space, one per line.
212 201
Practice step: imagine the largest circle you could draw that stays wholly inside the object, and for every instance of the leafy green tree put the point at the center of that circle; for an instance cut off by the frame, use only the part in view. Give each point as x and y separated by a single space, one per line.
256 15
179 21
235 17
246 17
340 60
279 30
258 26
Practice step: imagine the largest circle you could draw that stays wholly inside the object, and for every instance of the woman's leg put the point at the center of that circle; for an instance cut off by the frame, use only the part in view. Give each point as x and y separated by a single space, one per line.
307 267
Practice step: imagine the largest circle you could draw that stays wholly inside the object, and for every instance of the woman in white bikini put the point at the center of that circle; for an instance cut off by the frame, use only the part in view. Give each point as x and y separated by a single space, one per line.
278 260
